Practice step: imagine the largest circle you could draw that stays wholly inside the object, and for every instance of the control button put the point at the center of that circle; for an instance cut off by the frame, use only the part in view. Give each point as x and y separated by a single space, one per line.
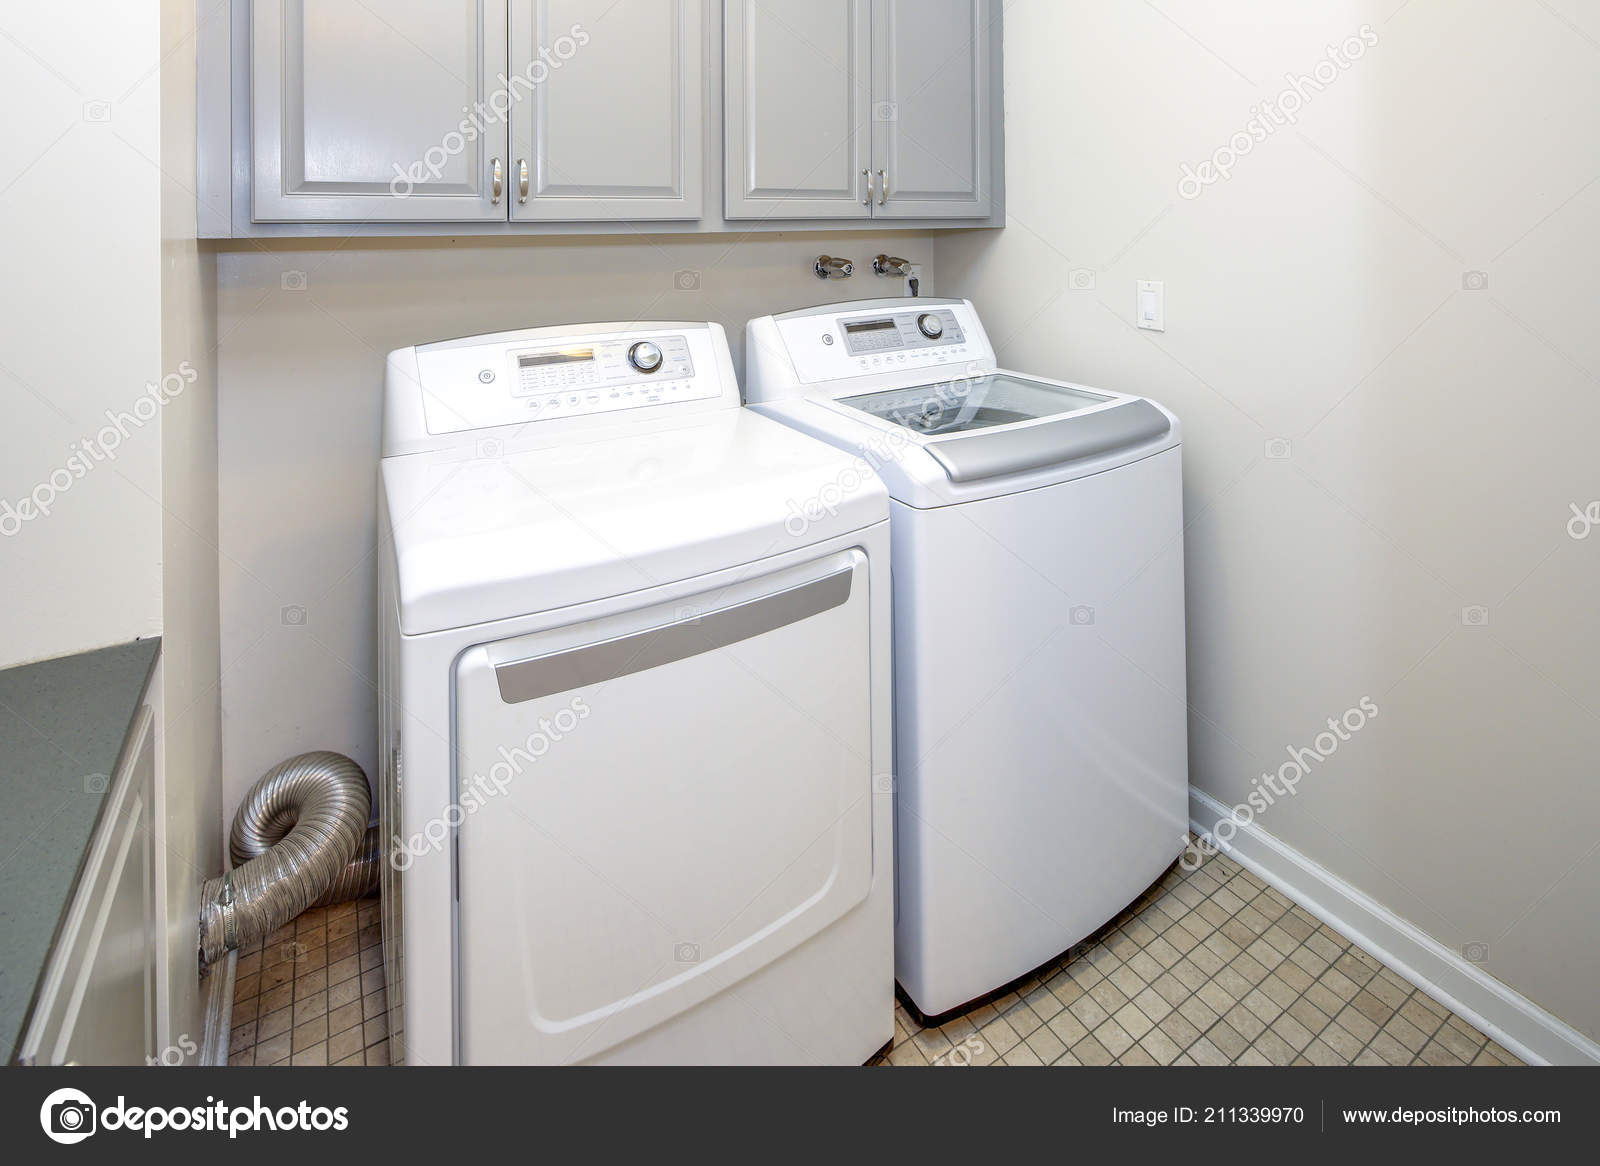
645 356
931 326
487 376
827 338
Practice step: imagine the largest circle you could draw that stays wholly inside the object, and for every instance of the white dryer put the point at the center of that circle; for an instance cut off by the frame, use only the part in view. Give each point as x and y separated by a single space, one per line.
1041 722
633 713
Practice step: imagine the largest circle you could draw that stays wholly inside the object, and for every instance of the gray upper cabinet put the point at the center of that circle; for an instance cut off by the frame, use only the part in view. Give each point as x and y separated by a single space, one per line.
797 109
931 113
366 111
433 117
608 120
859 108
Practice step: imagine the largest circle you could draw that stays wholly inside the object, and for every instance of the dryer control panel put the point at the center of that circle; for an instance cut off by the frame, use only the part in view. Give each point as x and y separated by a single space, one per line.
550 375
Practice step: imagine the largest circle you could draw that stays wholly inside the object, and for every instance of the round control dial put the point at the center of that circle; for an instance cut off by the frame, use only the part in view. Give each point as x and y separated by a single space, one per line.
932 327
645 356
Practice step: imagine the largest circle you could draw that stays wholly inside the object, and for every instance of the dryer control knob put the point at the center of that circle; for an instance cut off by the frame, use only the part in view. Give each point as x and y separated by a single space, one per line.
932 327
645 356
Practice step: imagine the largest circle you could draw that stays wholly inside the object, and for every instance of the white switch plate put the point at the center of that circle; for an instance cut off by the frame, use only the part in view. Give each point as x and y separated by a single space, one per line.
916 274
1150 305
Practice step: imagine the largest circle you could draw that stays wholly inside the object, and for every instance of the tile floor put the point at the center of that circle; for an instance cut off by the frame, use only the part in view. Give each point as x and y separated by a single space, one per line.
313 993
1208 967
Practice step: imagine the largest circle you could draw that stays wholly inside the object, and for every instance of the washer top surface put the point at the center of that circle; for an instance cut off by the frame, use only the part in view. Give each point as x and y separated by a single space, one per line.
973 403
913 386
612 496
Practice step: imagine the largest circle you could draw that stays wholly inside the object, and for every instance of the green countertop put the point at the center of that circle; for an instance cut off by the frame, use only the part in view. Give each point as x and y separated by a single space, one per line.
62 725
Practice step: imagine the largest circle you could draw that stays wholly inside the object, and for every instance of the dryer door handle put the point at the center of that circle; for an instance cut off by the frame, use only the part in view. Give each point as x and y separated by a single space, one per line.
574 668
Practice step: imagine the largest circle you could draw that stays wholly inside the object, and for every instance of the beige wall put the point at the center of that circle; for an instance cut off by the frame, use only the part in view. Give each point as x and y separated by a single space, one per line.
304 334
79 317
191 787
1437 436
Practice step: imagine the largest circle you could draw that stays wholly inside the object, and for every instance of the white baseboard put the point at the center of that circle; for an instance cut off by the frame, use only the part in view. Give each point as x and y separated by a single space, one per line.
219 1010
1507 1016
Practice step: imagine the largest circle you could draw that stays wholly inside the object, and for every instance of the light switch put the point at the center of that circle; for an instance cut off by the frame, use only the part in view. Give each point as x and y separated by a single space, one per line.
1152 309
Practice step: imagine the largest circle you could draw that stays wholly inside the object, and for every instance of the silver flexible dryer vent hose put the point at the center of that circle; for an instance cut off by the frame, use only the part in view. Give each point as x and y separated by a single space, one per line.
300 839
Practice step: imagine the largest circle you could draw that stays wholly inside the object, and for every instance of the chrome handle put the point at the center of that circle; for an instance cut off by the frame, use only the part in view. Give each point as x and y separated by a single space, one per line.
522 180
868 200
883 187
497 182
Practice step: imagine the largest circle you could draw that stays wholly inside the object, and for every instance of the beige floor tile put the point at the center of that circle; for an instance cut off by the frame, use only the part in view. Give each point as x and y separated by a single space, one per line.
1067 1028
1162 1048
1245 1022
1308 1014
310 1033
274 1049
308 1009
1274 1048
1294 1034
1022 1057
345 1017
1089 1051
1406 1033
1464 1045
1391 1050
1208 968
999 1036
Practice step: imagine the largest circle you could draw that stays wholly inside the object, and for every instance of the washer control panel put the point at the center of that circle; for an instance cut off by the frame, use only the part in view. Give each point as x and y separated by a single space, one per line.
901 331
540 375
845 341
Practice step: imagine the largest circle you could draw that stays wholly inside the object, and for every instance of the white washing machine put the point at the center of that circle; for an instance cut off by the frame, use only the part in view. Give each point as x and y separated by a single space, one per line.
632 712
1040 714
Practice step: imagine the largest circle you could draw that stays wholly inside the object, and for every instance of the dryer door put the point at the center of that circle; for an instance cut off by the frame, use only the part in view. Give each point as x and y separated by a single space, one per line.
654 806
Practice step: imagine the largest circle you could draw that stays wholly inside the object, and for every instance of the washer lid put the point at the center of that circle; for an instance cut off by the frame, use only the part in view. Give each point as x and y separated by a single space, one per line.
977 402
484 538
1014 449
1000 423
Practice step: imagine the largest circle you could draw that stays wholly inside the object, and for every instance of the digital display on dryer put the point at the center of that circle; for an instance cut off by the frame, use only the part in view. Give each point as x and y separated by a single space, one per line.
565 356
870 326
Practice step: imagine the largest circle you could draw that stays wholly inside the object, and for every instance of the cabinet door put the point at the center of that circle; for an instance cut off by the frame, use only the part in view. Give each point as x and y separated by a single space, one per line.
607 122
931 107
389 111
797 95
97 995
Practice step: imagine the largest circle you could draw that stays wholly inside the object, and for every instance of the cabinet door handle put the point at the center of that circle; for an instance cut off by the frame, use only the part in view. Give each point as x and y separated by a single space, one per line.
497 182
868 200
522 180
883 187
